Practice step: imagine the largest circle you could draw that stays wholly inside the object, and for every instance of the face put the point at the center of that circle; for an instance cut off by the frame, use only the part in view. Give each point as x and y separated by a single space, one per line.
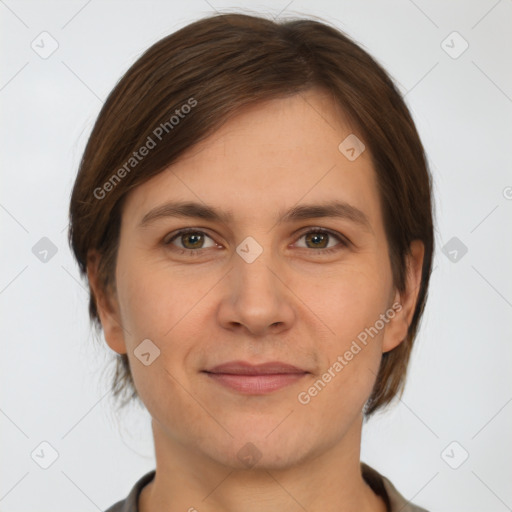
258 287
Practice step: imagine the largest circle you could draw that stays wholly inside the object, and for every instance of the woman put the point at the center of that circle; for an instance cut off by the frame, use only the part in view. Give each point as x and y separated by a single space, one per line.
253 214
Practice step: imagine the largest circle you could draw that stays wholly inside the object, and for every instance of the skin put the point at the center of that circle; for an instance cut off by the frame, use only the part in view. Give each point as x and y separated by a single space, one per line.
292 304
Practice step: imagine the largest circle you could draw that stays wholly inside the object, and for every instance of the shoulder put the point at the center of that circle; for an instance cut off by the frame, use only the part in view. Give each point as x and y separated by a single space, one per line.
130 503
383 487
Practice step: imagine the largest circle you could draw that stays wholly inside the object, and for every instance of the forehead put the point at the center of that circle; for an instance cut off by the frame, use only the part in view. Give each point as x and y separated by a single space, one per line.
267 158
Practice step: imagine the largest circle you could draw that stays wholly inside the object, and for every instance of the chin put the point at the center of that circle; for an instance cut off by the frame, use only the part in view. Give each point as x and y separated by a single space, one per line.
261 448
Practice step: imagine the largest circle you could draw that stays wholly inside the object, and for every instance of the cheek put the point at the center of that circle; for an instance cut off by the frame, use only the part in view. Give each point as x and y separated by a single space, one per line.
167 308
350 305
351 299
338 397
155 299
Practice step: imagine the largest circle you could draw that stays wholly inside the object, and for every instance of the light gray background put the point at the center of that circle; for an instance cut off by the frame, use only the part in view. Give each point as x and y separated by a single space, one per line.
54 386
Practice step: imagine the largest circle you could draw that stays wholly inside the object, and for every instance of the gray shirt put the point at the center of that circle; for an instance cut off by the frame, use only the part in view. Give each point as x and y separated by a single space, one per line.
395 502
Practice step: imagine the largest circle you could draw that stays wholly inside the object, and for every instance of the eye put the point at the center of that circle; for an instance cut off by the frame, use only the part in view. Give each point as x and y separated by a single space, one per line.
319 238
190 241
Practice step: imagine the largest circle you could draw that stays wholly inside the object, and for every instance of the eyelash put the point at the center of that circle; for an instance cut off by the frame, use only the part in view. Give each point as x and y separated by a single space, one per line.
196 252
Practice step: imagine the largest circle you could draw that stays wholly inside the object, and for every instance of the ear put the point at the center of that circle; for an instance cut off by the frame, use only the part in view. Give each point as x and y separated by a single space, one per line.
396 329
106 305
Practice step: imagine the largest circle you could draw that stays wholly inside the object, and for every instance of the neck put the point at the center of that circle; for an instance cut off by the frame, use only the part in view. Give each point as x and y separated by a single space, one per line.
189 480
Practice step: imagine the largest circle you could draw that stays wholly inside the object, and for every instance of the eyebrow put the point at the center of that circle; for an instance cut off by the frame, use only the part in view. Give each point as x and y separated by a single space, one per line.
188 209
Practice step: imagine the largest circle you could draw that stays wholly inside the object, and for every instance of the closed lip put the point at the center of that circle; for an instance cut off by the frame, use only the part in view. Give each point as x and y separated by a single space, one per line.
245 368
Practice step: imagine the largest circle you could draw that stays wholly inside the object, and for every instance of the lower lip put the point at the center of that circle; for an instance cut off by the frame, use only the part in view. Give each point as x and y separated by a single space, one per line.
256 384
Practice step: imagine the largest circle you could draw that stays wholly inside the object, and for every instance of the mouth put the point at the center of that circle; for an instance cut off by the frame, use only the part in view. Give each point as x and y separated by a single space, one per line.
258 379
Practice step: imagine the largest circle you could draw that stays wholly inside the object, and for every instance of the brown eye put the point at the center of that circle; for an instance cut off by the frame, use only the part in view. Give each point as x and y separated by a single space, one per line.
317 239
190 240
321 238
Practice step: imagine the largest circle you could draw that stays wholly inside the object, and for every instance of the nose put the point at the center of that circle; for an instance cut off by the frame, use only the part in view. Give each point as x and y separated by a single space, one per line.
256 298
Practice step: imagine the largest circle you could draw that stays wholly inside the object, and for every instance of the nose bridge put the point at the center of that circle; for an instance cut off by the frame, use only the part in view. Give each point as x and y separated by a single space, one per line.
252 265
257 297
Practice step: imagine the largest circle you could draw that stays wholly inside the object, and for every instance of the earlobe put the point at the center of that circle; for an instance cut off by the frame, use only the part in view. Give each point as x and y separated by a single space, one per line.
106 305
396 330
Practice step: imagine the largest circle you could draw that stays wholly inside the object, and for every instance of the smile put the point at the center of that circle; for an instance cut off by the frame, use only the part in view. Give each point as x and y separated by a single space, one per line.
255 379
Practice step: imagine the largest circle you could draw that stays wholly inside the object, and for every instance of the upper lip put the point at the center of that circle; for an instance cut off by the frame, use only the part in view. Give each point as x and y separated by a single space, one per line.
245 368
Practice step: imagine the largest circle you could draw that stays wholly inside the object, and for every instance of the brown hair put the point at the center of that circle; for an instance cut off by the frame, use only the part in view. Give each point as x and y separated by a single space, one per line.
217 65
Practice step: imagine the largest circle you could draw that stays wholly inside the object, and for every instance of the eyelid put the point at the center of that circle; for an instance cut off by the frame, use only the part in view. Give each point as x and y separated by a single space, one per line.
170 237
344 241
317 229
